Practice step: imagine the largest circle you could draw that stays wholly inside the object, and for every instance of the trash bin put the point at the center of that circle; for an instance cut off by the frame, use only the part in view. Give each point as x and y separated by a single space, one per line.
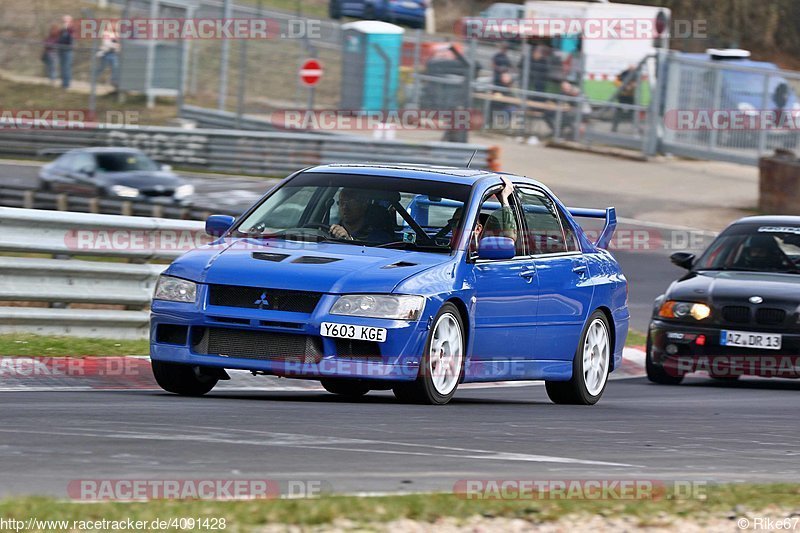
779 184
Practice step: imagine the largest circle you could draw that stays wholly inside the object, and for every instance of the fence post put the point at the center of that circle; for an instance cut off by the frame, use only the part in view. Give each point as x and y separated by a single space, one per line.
525 83
223 64
417 66
762 131
657 91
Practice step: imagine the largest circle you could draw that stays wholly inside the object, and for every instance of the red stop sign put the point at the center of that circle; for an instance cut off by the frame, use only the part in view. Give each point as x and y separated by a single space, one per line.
311 72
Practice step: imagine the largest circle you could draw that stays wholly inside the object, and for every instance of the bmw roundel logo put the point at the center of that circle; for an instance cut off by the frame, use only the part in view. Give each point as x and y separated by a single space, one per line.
756 299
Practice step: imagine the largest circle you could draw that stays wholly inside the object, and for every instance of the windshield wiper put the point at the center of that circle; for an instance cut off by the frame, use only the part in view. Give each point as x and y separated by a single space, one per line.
406 245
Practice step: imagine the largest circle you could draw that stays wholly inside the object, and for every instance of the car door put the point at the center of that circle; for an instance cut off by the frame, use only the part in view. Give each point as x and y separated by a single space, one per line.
59 173
506 293
564 285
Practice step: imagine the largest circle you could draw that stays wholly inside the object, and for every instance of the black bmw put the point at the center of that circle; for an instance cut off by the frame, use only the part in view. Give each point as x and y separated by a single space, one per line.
737 311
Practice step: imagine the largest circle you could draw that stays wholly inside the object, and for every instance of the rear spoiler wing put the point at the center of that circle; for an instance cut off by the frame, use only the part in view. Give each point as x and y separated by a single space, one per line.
610 216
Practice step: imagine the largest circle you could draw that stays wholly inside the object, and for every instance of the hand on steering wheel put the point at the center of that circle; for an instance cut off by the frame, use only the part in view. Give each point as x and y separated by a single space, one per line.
339 232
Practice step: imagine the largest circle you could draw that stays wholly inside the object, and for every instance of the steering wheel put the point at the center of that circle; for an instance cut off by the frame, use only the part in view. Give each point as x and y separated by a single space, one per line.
315 225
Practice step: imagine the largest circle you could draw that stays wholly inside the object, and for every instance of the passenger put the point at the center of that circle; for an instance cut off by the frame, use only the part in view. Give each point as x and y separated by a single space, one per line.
502 222
763 253
360 219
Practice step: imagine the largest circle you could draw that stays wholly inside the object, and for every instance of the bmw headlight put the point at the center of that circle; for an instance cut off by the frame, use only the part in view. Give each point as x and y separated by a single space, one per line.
125 192
175 290
398 307
184 191
673 309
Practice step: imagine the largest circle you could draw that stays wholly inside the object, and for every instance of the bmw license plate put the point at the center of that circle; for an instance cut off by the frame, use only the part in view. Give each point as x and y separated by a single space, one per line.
744 339
347 331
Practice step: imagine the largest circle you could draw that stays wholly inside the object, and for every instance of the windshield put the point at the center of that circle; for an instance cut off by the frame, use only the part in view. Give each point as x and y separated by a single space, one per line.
124 162
756 249
363 210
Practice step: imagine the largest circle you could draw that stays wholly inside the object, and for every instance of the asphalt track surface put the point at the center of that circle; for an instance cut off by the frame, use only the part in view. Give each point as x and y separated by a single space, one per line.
699 431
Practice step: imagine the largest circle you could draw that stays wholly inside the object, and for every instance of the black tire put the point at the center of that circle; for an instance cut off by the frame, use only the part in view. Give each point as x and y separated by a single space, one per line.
45 185
422 390
343 387
185 380
575 391
656 373
369 12
335 10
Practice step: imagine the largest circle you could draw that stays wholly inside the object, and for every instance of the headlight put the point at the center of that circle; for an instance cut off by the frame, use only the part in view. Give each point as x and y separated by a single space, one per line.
673 309
379 306
175 290
126 192
747 108
184 191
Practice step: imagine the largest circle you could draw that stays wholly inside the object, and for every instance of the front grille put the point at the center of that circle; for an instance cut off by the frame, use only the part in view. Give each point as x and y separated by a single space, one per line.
356 349
257 298
736 314
770 317
261 345
156 193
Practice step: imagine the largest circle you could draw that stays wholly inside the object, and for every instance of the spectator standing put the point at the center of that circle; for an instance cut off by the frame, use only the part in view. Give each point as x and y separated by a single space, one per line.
50 54
66 38
108 56
626 81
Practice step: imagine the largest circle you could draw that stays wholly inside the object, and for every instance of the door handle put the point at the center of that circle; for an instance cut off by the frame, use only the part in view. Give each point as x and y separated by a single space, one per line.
580 270
528 275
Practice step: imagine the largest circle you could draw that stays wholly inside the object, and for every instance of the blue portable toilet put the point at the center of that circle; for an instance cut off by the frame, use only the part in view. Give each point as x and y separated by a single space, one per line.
371 65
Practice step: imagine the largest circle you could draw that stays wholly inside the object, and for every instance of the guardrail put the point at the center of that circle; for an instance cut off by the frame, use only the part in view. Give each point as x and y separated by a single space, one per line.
66 295
25 197
243 152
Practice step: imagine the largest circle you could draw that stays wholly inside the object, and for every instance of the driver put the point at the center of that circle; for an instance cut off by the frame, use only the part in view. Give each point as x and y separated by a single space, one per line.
360 219
763 253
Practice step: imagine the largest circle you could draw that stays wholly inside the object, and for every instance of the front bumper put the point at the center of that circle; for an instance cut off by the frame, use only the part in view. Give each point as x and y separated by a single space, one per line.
684 348
397 358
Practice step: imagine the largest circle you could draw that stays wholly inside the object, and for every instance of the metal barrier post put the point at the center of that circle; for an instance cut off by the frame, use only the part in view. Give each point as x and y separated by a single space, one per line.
762 131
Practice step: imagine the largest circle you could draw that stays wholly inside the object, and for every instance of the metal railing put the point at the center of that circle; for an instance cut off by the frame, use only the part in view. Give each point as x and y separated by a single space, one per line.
242 152
25 197
66 295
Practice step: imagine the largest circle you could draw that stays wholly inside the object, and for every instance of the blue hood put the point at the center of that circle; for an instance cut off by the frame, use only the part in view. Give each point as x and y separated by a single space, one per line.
247 262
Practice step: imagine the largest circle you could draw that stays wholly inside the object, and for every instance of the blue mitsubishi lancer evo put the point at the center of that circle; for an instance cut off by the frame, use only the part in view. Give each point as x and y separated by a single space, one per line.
414 279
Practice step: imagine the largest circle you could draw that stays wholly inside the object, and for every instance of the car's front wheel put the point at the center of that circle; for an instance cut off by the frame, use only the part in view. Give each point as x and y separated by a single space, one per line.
657 373
350 388
590 367
185 380
442 364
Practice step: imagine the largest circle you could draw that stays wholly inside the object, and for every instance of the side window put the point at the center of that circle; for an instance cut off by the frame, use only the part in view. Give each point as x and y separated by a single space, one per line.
82 162
544 234
496 220
569 234
65 161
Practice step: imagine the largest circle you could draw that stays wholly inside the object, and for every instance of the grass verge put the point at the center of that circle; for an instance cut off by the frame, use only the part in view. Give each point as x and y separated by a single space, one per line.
24 344
720 501
636 338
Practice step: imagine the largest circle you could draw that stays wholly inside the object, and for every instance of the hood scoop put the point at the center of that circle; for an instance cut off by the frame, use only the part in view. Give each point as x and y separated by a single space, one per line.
400 264
269 256
314 260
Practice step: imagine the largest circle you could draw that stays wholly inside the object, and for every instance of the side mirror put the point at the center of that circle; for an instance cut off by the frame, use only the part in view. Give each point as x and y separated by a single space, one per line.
682 259
217 225
166 168
496 248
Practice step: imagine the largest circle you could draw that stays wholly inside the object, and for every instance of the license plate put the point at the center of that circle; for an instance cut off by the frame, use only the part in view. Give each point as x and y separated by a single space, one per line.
347 331
746 339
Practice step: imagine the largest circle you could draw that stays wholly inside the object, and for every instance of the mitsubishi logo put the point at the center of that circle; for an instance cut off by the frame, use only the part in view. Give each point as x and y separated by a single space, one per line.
262 301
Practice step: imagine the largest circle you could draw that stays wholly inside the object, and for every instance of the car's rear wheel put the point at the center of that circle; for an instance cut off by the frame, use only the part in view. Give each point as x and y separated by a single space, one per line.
342 387
186 380
442 364
657 373
590 367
